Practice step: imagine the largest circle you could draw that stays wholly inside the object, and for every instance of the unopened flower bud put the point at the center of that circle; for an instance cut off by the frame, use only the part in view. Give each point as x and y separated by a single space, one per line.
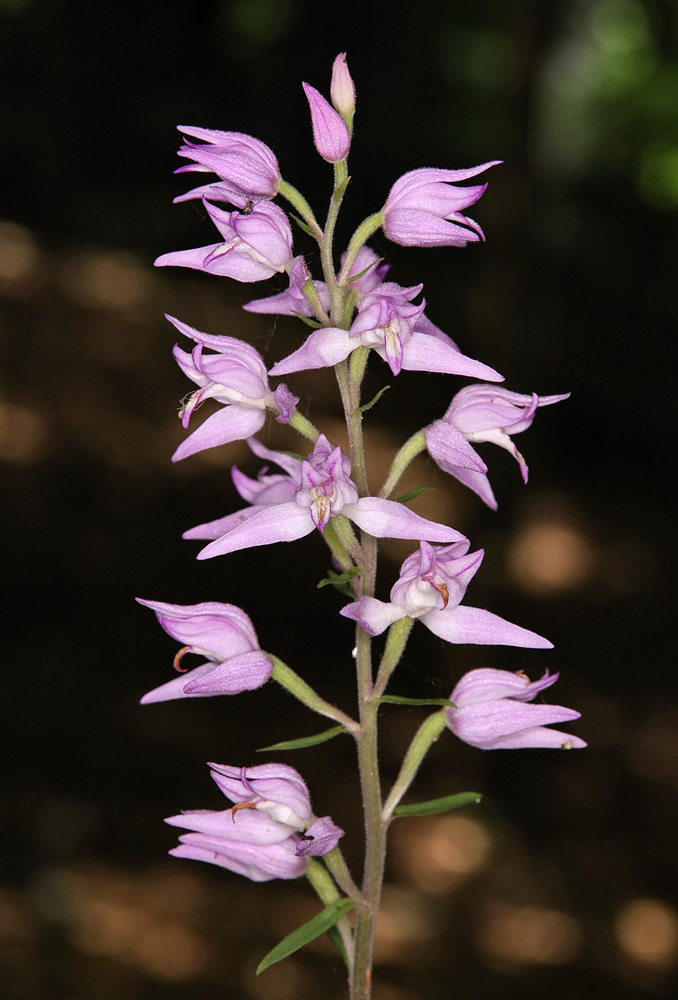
342 90
330 134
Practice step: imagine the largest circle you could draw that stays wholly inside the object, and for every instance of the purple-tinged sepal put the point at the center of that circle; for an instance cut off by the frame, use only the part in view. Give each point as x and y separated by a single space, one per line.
320 838
491 712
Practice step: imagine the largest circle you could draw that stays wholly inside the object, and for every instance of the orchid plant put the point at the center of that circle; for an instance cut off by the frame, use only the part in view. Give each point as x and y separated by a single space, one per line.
271 829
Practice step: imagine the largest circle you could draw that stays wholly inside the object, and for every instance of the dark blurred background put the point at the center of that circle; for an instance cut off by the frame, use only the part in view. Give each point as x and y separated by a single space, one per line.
562 883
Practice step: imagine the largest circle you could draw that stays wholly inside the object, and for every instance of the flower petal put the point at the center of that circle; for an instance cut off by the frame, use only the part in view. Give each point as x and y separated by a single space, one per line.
246 824
450 450
372 615
246 672
230 423
278 523
323 349
492 721
423 353
474 625
388 519
489 684
320 838
260 863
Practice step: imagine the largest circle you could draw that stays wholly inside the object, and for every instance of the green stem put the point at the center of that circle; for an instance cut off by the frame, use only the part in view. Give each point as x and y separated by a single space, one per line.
362 234
298 687
398 635
297 200
322 882
336 863
336 293
412 447
426 735
375 828
303 426
347 539
335 545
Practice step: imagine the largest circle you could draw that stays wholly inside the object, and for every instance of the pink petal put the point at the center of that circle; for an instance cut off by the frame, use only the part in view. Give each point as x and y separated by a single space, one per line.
323 349
423 353
388 519
372 615
230 423
278 523
474 625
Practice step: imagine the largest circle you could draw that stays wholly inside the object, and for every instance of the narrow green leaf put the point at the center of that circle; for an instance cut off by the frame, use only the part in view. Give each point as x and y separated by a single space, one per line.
300 222
335 937
393 699
309 931
341 190
306 741
307 320
336 578
437 805
357 277
406 497
368 406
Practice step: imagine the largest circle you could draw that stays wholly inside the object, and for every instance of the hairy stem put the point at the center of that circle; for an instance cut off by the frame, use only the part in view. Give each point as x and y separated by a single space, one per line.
298 687
412 447
327 891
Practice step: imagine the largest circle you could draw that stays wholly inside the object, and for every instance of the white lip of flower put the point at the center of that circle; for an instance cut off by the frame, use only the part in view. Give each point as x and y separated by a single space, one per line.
321 502
495 436
382 335
321 505
238 246
223 393
281 813
276 810
423 596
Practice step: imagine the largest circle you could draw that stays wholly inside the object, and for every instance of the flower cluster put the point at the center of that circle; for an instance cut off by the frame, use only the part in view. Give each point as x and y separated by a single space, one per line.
270 830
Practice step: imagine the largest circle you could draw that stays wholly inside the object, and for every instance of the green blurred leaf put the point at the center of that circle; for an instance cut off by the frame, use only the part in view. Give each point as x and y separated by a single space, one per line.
336 579
341 190
393 699
368 406
434 806
335 937
300 222
406 497
309 931
358 276
306 741
307 320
